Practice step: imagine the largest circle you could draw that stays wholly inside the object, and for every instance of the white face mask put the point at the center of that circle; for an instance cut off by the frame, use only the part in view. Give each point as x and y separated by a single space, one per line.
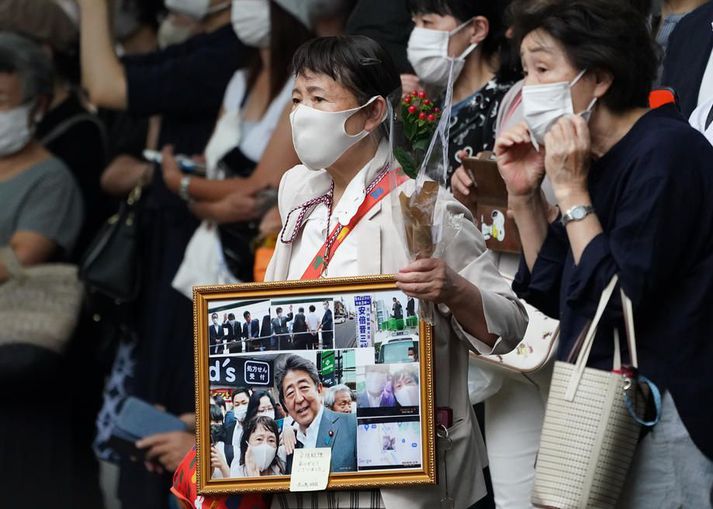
263 455
544 105
428 54
170 33
268 413
15 129
240 412
408 395
251 22
320 137
197 9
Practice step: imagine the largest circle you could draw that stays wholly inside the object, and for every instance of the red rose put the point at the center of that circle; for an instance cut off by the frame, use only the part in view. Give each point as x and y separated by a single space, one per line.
432 118
421 94
422 116
407 99
412 109
427 102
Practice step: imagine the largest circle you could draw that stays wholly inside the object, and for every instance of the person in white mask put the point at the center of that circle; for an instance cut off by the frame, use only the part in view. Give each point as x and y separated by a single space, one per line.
632 187
406 388
470 36
258 450
41 214
342 85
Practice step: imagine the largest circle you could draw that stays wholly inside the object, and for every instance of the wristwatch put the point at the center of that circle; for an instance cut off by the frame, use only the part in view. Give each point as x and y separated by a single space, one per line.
576 213
183 189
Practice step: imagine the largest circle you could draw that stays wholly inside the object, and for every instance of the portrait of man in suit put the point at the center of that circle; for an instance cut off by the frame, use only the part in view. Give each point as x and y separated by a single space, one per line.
327 327
233 334
251 331
280 329
216 334
300 337
316 425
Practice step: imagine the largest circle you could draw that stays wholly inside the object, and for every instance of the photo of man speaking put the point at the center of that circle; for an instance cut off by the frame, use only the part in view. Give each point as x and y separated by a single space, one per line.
301 393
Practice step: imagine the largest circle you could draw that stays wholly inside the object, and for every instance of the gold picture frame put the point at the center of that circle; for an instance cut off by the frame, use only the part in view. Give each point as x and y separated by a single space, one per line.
378 419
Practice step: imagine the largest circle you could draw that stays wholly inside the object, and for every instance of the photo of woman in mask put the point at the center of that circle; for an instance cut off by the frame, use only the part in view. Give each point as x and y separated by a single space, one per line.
405 386
258 450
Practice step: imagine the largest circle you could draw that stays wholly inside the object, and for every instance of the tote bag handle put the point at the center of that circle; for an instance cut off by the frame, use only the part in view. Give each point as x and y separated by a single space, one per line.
586 349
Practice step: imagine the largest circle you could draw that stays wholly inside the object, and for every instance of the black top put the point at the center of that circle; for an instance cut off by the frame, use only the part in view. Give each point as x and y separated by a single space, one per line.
78 138
387 22
652 194
473 122
185 84
687 54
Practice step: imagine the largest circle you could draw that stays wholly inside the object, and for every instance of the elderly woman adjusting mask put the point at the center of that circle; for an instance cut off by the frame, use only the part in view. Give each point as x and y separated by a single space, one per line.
633 188
341 94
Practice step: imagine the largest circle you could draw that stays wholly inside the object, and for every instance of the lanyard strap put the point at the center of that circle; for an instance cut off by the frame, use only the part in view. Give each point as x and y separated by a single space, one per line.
377 191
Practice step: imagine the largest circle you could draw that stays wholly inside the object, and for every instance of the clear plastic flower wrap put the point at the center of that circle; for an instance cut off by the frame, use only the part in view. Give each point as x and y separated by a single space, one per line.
420 206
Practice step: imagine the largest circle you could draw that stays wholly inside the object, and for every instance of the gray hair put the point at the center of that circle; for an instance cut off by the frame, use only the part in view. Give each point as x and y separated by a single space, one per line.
331 396
294 363
20 55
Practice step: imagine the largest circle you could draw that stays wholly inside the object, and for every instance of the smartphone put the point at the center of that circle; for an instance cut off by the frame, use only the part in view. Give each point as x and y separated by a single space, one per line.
185 163
485 173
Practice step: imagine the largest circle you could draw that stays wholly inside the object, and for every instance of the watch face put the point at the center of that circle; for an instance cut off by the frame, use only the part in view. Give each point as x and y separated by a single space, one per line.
579 213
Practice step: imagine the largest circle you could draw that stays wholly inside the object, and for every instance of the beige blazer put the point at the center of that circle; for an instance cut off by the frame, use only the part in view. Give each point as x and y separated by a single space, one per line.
380 251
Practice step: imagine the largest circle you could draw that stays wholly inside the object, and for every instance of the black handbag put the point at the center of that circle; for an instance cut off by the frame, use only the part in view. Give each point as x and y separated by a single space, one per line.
110 266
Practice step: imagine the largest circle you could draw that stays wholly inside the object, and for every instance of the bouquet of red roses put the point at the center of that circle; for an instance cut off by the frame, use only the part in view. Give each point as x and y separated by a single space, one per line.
419 118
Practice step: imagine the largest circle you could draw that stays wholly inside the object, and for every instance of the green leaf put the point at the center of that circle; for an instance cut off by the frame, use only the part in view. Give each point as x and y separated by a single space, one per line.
407 162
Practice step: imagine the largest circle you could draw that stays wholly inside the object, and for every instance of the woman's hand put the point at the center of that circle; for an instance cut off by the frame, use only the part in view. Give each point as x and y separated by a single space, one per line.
288 437
171 172
236 207
429 279
568 154
250 465
465 190
217 460
520 165
167 448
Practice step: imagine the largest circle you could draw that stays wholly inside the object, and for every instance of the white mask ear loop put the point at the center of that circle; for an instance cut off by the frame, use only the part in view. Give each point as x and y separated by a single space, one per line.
355 110
470 48
579 77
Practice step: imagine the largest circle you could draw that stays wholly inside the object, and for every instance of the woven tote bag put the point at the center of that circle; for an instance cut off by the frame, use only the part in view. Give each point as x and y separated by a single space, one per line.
588 437
39 305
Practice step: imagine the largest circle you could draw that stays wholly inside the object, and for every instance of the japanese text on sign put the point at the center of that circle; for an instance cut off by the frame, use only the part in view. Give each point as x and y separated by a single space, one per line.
363 320
310 469
257 372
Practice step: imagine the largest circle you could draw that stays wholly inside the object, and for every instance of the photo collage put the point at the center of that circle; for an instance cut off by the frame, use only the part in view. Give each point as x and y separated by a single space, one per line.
339 371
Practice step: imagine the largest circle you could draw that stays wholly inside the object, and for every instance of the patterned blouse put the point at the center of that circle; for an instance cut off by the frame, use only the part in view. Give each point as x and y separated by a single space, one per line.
473 122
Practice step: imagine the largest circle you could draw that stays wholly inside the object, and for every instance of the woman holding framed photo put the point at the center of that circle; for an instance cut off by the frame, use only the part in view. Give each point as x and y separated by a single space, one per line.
341 94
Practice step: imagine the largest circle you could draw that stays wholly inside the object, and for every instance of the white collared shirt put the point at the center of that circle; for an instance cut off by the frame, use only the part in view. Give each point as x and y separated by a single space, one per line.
314 234
309 439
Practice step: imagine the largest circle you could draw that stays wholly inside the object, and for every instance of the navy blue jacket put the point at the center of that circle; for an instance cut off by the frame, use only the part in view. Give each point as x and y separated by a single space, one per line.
652 194
689 49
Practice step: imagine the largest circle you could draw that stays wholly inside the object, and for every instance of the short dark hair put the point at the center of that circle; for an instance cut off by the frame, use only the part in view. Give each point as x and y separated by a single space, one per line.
354 61
603 35
246 314
219 400
278 310
495 43
231 316
239 390
22 56
301 310
254 403
216 414
312 309
250 427
294 363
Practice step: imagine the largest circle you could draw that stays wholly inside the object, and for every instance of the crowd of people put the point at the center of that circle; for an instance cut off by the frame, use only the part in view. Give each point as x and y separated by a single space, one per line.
284 331
256 126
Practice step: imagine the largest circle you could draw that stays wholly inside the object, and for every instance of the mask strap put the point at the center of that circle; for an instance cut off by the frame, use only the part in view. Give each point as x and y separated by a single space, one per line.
579 77
460 27
467 52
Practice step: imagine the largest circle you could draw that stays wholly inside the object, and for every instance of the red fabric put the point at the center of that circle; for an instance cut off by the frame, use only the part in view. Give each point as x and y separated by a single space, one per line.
185 490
